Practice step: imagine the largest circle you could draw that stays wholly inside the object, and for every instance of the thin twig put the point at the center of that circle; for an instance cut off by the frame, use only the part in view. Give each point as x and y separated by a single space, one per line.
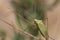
48 36
20 30
31 23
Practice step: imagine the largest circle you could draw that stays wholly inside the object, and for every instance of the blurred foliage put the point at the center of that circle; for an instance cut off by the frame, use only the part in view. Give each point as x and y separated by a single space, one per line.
18 36
51 6
2 34
26 13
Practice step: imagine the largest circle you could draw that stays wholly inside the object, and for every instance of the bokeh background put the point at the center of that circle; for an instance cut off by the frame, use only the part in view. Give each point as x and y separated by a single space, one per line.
10 23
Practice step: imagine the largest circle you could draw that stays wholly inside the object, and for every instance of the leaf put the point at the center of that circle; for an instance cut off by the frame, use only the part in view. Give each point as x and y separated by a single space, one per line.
41 26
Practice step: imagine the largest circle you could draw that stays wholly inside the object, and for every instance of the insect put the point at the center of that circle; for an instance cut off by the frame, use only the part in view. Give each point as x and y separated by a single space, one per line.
41 26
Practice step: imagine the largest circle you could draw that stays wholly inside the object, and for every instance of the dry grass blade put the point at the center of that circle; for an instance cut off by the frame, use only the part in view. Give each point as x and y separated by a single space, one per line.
19 30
